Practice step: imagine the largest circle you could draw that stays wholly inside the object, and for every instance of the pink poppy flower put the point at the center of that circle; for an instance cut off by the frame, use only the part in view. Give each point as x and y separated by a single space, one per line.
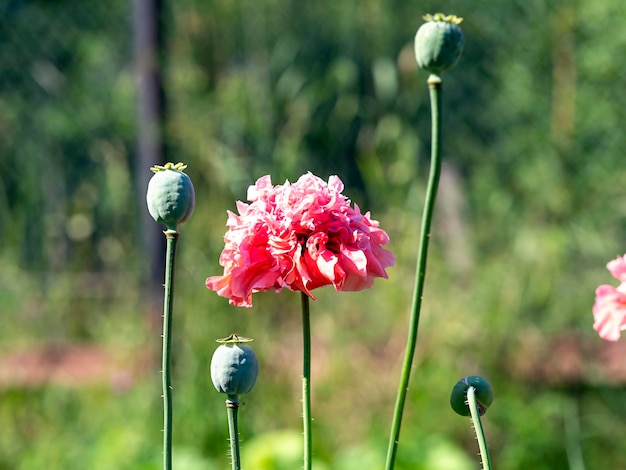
609 309
301 236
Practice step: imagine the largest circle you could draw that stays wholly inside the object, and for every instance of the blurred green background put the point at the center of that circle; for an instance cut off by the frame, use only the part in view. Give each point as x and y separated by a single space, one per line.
530 209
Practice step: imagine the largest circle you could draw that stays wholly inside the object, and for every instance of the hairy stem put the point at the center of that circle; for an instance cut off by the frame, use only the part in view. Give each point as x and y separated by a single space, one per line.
232 407
168 304
478 427
434 84
306 381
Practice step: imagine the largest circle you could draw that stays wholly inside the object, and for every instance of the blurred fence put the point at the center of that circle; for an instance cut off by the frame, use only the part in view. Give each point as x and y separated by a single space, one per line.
67 121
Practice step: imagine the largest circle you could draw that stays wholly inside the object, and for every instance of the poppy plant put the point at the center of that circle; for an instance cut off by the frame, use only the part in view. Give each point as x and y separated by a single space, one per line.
609 309
301 236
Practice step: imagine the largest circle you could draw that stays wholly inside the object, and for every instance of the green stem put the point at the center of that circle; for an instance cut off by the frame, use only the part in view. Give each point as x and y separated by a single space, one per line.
168 304
232 406
306 381
434 84
478 427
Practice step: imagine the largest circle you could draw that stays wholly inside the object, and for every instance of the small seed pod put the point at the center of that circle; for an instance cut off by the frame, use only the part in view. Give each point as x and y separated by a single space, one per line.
439 42
234 366
170 197
458 397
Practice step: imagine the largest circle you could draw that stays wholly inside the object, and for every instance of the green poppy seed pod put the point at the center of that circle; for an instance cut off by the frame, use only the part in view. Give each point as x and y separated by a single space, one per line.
458 397
439 43
170 197
234 366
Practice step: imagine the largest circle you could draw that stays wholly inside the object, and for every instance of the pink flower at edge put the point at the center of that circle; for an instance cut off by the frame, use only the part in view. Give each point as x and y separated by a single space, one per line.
300 236
618 268
609 308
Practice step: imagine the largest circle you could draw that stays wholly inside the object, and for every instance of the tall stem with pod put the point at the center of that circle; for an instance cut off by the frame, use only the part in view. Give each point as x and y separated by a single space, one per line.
438 46
171 200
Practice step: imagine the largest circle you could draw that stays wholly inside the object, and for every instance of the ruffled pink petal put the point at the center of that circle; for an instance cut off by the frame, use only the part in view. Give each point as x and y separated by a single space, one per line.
379 259
618 268
354 283
325 262
354 261
609 311
262 187
220 284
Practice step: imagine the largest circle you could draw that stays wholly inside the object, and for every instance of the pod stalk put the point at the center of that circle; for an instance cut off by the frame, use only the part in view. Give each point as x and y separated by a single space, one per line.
434 84
232 409
168 307
306 382
476 410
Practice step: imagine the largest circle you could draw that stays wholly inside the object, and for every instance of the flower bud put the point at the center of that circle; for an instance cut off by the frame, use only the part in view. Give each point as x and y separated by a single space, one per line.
439 42
234 366
484 395
170 197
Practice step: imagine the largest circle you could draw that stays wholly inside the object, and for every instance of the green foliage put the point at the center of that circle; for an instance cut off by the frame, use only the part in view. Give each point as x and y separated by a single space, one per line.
531 207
